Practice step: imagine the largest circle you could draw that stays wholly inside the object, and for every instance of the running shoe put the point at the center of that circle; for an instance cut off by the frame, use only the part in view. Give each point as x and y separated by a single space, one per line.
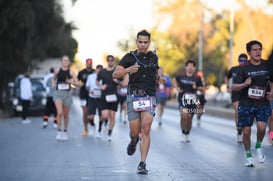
55 125
92 131
98 135
85 133
260 155
64 136
44 125
185 138
239 138
26 121
141 169
59 136
131 148
270 137
109 138
249 162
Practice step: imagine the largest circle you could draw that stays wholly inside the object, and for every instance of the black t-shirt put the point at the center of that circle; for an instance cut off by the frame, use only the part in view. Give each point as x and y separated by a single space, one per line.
105 77
82 76
232 73
186 82
254 95
270 63
144 80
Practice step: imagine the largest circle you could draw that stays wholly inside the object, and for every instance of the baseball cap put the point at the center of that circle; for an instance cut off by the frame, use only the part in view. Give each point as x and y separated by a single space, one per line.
89 61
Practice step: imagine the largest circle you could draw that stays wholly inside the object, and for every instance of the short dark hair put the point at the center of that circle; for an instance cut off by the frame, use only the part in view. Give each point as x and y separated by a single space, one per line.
251 43
110 56
190 61
144 33
242 55
99 66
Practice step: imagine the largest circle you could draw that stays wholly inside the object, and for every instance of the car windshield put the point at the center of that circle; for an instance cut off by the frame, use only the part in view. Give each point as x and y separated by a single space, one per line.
37 86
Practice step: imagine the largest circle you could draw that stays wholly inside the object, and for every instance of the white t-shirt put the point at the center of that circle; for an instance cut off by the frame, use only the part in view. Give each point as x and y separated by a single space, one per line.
93 89
25 89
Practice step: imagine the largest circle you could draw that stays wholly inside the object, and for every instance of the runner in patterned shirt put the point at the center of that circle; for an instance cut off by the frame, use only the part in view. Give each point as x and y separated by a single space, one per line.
253 81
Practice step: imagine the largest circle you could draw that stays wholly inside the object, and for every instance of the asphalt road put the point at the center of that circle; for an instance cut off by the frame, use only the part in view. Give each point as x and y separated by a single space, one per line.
30 153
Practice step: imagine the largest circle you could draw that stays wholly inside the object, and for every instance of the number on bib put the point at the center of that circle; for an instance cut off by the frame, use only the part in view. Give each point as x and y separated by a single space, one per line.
142 103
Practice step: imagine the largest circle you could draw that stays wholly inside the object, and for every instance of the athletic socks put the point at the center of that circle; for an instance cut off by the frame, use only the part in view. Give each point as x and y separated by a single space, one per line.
258 145
248 154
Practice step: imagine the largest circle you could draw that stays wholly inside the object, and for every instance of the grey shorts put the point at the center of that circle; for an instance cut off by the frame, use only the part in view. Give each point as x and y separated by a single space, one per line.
132 114
65 96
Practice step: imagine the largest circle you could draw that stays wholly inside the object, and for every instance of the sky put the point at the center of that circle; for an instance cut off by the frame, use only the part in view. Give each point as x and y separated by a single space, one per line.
102 23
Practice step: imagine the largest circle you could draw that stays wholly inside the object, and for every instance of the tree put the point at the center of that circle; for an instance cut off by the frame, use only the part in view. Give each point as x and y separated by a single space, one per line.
31 29
178 41
182 37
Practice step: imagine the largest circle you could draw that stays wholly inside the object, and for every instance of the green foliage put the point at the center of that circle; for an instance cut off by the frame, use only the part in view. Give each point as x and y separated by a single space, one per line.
177 41
31 29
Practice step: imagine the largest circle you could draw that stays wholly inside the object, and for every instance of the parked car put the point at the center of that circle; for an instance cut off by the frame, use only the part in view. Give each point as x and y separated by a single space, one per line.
39 96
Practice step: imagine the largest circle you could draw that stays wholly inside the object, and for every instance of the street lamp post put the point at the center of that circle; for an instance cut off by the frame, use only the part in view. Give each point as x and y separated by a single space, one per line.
200 39
231 30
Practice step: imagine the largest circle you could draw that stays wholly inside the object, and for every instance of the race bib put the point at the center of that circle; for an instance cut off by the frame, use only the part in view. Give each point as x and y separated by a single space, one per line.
142 103
97 92
63 86
83 102
161 86
255 92
111 98
122 91
189 96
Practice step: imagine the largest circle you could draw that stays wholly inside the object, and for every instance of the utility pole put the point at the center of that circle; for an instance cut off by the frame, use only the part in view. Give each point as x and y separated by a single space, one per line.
231 30
200 39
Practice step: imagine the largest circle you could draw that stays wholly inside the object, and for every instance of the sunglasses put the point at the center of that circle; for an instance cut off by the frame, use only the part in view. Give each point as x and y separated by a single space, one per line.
243 60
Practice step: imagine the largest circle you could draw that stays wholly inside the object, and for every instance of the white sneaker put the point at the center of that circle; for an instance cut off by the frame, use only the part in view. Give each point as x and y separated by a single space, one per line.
59 136
239 138
64 136
260 155
249 162
55 125
109 138
185 138
98 135
26 121
92 130
44 125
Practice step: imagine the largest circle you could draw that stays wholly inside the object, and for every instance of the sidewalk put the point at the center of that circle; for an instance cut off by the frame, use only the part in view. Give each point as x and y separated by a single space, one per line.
212 109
